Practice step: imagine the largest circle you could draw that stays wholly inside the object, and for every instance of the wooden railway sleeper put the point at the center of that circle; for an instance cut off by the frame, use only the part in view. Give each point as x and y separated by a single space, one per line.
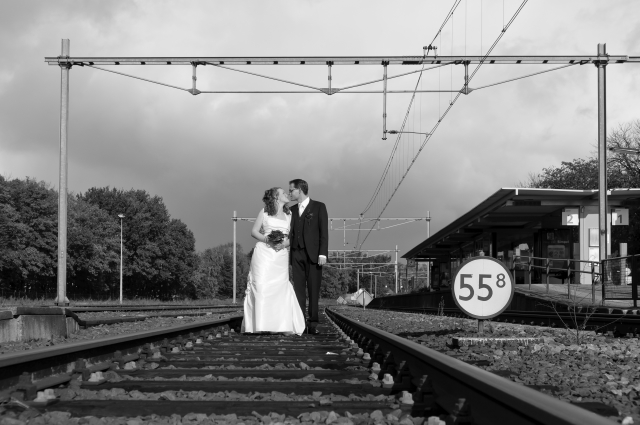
27 390
121 360
81 368
165 347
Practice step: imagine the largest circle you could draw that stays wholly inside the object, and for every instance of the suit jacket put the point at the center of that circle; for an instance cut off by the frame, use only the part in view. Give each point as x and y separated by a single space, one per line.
315 229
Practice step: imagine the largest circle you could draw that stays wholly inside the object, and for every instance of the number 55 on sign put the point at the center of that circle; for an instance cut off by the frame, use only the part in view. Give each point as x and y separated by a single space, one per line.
483 287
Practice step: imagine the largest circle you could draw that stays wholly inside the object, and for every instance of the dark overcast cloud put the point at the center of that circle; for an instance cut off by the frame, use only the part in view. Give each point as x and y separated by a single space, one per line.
212 154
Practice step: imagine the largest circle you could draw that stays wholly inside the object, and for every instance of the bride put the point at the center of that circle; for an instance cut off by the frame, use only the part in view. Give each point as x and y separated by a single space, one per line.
270 304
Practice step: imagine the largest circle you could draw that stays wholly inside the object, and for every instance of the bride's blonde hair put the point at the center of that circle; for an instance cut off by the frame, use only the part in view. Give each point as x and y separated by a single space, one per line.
270 200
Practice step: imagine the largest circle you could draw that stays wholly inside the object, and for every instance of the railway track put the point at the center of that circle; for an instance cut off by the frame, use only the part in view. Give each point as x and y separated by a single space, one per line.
209 368
619 325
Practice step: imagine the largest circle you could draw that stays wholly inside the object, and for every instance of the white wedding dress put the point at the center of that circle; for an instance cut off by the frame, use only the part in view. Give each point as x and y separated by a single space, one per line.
270 303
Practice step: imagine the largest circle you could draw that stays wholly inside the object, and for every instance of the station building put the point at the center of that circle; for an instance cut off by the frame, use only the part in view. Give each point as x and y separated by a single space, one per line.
516 223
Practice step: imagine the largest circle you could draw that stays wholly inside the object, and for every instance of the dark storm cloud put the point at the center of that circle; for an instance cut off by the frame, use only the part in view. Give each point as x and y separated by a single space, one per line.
208 155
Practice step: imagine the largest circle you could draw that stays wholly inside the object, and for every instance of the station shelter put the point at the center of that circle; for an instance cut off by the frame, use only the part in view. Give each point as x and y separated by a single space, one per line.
515 224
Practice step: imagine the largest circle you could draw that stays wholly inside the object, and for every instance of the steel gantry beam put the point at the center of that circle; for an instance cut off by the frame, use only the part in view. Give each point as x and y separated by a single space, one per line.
65 61
338 60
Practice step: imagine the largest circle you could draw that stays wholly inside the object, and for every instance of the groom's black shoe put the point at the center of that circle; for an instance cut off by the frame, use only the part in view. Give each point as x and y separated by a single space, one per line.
313 331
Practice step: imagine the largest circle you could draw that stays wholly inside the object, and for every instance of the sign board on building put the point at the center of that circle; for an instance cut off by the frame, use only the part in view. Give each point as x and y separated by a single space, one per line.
620 217
411 262
570 217
483 287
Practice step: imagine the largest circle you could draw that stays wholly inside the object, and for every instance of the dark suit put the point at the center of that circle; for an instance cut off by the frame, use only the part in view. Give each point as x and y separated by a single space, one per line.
309 237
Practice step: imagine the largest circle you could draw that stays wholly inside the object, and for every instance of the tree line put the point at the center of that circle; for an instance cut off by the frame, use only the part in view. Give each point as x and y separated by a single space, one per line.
623 171
159 256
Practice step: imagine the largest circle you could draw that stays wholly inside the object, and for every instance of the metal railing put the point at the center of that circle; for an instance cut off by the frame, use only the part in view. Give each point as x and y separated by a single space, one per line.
615 275
571 268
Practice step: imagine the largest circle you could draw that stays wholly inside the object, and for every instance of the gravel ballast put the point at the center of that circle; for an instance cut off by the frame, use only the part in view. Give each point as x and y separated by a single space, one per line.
101 331
593 369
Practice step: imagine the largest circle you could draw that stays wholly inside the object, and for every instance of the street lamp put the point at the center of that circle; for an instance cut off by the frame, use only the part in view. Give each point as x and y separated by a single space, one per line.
625 150
121 217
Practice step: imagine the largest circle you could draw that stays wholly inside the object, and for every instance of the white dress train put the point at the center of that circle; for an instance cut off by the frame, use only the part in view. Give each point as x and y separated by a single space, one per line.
270 303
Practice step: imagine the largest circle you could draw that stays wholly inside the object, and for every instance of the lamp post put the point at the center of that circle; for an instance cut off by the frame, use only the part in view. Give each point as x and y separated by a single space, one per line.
121 217
625 150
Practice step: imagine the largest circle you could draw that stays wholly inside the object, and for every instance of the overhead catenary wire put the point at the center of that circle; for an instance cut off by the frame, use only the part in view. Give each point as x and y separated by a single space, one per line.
524 76
383 182
437 124
135 76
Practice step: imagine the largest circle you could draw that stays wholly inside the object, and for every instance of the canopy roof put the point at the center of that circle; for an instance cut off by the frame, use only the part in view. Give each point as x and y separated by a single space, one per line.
512 208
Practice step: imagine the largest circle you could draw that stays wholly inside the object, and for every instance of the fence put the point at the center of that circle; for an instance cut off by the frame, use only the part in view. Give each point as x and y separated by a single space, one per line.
617 277
562 268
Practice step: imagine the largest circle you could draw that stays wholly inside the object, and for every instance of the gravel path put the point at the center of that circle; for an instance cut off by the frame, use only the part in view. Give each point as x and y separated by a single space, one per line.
600 369
102 331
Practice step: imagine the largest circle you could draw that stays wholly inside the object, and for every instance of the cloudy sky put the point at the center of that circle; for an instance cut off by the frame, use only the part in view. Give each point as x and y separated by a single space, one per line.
211 154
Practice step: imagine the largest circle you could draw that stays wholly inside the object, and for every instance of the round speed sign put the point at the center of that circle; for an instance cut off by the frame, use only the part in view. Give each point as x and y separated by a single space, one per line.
483 287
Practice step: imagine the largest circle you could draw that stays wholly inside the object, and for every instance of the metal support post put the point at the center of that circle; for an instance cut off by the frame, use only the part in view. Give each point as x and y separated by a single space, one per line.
568 279
61 298
428 262
547 274
634 282
384 104
235 221
593 284
466 78
406 271
344 233
194 91
194 78
396 269
121 216
375 287
602 150
604 294
357 280
329 64
528 272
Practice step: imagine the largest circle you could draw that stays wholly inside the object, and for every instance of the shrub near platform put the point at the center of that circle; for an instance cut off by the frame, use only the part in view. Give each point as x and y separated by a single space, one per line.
601 370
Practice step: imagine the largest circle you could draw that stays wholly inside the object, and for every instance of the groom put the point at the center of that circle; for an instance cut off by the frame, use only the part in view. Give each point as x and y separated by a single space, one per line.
309 237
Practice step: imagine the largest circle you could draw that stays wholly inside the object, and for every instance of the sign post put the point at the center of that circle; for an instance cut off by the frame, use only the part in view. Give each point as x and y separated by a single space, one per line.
483 288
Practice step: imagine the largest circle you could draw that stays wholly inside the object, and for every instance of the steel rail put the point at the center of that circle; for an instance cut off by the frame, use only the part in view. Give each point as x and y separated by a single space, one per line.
97 308
337 60
600 322
45 361
484 396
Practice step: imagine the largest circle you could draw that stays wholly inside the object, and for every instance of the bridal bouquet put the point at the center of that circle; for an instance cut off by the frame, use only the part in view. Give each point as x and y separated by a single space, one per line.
276 237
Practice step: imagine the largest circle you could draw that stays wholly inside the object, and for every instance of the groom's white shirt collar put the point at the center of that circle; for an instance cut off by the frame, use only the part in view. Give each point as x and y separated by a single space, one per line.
304 203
